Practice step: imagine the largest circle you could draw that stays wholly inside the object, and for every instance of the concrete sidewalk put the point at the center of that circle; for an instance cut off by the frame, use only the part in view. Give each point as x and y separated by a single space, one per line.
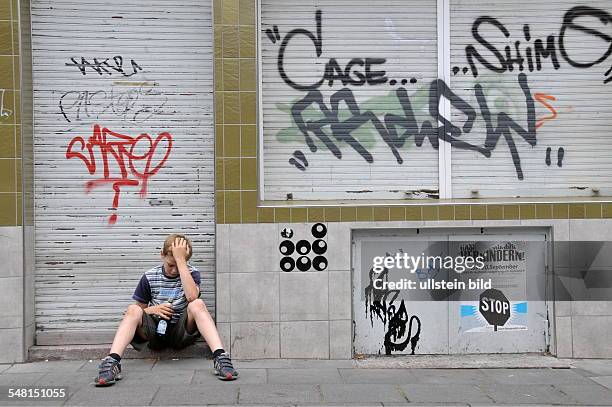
375 381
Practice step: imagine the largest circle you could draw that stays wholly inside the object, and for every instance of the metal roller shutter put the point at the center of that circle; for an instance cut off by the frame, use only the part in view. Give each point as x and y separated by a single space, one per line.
344 117
570 154
105 76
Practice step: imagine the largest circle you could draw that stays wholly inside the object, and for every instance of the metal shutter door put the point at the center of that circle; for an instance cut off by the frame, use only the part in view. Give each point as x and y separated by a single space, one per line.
577 122
152 74
403 34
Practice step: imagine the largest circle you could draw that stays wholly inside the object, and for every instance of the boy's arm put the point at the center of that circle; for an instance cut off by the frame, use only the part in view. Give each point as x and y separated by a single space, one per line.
179 252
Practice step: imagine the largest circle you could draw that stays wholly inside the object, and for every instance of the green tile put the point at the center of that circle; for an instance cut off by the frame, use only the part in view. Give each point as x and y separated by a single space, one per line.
219 174
8 202
593 210
397 213
446 212
231 41
248 107
364 213
414 212
527 211
231 172
229 12
478 212
332 214
7 141
220 206
462 212
231 74
5 10
6 38
232 207
249 206
282 215
495 212
219 107
231 141
430 212
299 215
15 37
606 210
316 214
561 211
380 214
576 211
218 141
247 10
231 108
348 214
544 211
217 12
17 107
248 143
512 212
265 215
248 75
19 210
7 180
249 174
247 42
218 33
17 71
6 72
218 74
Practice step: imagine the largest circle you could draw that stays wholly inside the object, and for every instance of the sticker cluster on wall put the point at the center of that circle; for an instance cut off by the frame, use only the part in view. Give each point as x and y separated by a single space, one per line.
304 255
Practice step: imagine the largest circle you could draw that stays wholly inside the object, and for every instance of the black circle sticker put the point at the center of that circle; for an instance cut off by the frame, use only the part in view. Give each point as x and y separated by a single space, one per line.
319 246
319 263
303 247
287 264
319 230
303 263
286 247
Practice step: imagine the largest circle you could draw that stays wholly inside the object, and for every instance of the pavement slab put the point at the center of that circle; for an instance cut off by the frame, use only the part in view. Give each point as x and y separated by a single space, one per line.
535 376
527 394
221 393
358 393
373 376
279 394
37 367
605 381
445 393
304 376
113 396
595 395
245 376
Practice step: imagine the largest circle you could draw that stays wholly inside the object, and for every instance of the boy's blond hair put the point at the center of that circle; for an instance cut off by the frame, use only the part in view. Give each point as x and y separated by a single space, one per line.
167 249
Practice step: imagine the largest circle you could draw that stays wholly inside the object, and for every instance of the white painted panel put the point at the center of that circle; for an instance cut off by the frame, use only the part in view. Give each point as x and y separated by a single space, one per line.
352 160
154 76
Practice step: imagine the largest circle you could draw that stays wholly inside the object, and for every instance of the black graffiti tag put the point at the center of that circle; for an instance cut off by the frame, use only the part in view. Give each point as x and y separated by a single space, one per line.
350 75
340 130
102 66
532 54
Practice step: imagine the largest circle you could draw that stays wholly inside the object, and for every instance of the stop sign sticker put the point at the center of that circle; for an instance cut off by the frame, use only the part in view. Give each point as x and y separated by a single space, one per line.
494 307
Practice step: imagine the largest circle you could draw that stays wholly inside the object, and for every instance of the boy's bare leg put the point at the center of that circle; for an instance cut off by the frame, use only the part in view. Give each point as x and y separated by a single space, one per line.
132 320
199 317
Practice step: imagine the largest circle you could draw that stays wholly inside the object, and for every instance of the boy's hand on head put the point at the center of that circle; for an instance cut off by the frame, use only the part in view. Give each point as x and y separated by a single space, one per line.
180 249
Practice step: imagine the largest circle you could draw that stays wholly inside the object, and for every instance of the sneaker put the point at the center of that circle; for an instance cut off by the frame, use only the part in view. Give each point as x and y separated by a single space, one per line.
109 372
224 368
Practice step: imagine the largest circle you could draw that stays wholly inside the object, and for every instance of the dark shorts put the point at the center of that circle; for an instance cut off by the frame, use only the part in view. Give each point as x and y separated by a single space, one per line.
176 335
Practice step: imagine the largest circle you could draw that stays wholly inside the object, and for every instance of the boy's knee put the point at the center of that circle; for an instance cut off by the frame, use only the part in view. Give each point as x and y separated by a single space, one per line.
134 311
197 305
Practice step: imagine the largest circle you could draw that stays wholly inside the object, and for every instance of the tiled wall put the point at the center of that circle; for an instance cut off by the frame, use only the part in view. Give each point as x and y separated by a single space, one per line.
10 132
236 148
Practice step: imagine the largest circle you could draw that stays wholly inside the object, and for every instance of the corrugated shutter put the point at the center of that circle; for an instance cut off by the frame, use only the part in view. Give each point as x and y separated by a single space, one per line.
352 159
131 67
572 104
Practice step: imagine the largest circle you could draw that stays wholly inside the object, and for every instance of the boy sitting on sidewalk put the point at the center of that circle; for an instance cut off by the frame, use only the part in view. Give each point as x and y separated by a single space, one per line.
167 292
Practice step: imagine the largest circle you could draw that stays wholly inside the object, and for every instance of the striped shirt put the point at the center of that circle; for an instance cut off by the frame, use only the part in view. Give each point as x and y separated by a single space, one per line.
155 288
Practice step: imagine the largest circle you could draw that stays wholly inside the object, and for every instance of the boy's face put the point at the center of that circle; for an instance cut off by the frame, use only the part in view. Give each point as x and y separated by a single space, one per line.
170 268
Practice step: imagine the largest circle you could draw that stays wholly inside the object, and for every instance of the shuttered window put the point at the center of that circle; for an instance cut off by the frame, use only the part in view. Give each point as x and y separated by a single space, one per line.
559 49
131 81
346 89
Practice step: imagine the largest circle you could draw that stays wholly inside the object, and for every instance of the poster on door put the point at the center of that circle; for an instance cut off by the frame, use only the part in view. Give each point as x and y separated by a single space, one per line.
503 307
